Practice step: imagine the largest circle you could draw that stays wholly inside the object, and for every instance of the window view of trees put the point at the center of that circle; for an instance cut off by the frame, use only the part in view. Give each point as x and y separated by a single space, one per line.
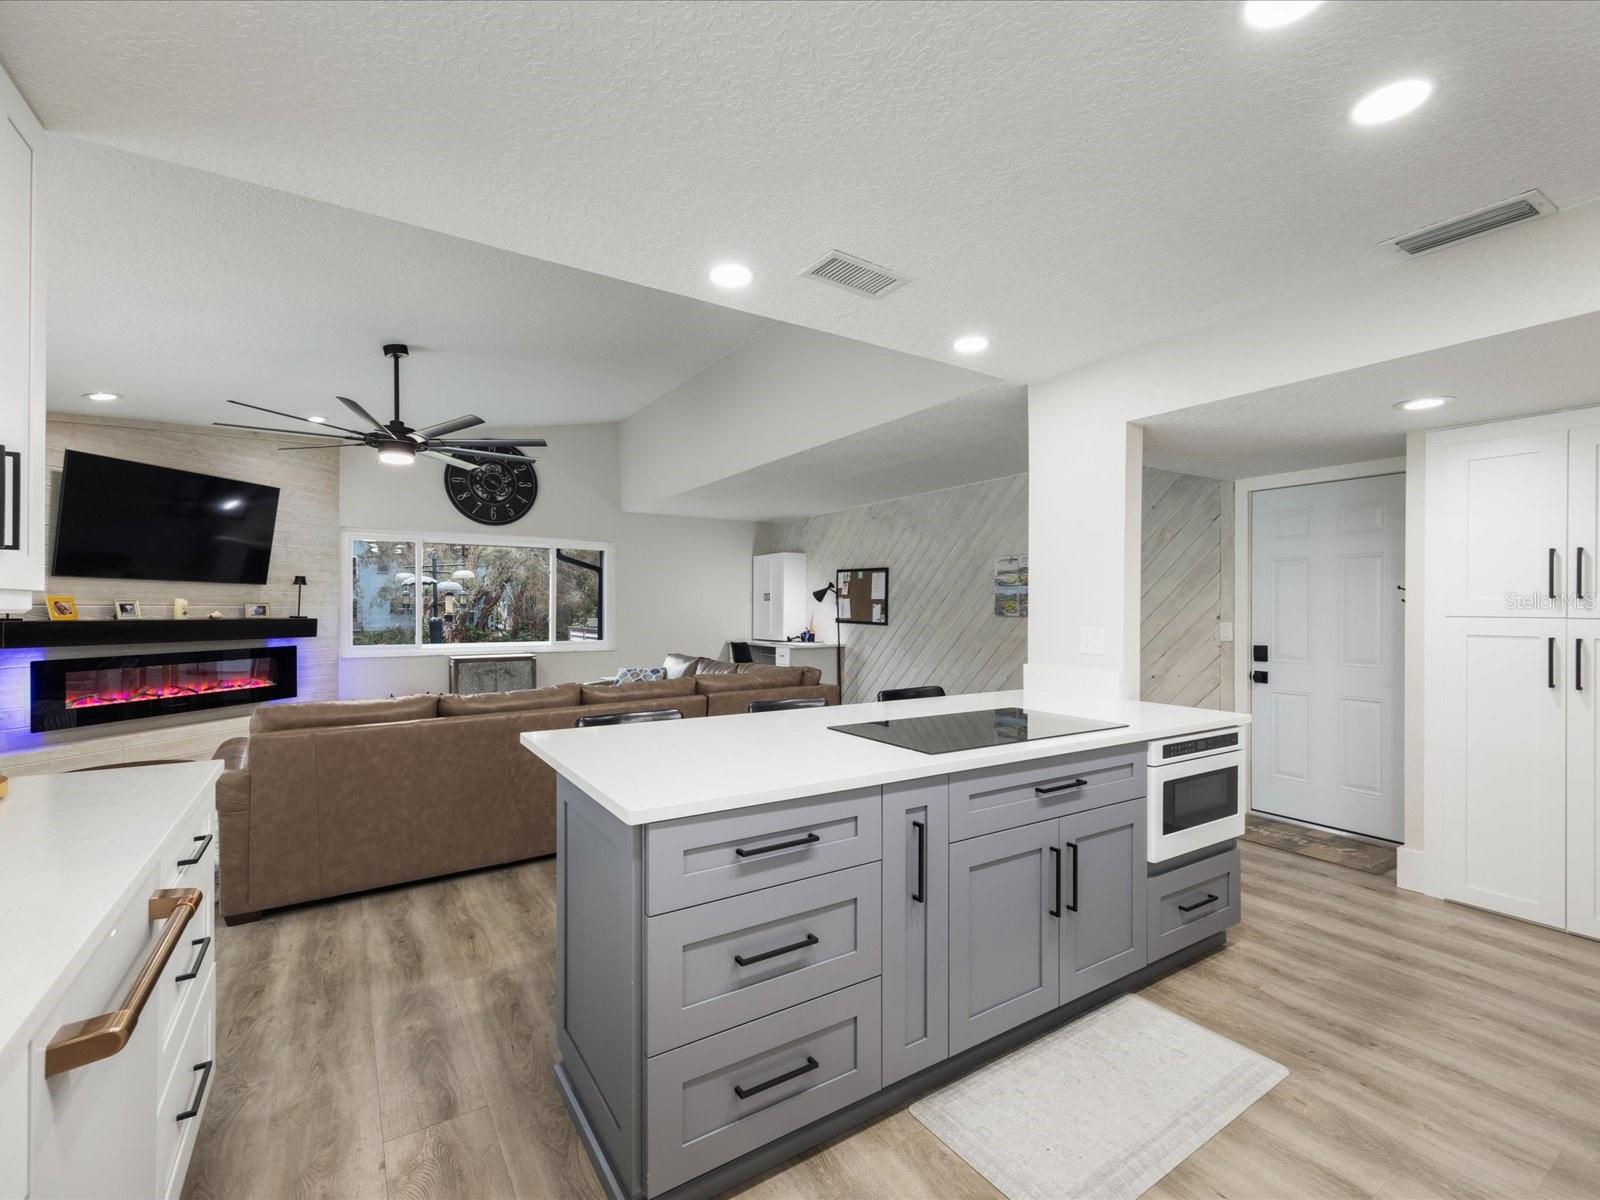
469 592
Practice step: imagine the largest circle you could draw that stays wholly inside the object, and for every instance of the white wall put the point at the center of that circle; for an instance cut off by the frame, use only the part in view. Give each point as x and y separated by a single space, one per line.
680 583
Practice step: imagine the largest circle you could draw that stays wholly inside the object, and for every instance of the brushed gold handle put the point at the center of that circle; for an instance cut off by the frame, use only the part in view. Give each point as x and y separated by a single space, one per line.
84 1042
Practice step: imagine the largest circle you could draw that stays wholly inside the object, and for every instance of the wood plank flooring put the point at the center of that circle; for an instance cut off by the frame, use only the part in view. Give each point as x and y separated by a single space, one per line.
399 1045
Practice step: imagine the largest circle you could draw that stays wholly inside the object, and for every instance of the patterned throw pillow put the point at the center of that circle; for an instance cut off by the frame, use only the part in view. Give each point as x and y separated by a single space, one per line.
640 674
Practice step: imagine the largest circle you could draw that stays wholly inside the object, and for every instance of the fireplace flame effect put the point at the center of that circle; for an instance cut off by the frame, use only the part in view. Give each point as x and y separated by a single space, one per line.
165 691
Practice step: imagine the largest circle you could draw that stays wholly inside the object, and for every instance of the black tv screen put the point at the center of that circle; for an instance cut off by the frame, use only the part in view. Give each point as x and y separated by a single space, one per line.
128 520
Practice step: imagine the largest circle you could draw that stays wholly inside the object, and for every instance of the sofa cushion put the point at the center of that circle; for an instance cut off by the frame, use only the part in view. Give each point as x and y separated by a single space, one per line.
745 681
560 695
716 666
315 714
810 676
655 689
678 665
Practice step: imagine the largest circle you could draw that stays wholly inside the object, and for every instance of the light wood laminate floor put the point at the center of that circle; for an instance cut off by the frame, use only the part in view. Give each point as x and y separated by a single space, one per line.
399 1045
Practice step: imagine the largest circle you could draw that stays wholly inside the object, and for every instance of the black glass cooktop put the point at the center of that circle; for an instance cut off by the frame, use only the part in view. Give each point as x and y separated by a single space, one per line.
946 733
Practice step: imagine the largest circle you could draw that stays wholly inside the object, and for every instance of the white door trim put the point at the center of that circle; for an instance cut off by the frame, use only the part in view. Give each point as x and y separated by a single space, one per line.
1243 490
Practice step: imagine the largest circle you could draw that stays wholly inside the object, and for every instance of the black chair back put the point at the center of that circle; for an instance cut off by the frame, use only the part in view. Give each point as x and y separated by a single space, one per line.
655 714
741 652
780 705
925 692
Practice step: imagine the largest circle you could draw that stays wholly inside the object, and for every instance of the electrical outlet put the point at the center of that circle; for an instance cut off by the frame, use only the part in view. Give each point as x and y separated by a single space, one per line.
1092 640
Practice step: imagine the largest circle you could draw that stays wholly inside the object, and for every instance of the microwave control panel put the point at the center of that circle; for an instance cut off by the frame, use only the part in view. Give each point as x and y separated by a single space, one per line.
1206 744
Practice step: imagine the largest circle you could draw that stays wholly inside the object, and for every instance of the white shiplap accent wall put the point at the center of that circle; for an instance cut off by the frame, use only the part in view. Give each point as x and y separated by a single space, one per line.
1187 575
940 549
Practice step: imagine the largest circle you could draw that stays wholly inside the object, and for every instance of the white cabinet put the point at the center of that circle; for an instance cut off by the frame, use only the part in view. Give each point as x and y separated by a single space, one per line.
22 475
1583 781
779 596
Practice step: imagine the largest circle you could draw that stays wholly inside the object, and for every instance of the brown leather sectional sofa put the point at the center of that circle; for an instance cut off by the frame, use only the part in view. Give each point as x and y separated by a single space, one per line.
326 798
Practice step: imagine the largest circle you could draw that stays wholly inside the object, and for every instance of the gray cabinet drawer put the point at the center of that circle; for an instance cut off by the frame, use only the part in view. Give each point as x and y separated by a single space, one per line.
1192 903
725 1095
727 854
996 798
798 941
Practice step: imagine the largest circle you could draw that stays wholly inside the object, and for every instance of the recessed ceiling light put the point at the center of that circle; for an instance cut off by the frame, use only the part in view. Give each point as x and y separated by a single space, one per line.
397 456
103 397
1275 14
731 275
971 343
318 420
1391 101
1424 402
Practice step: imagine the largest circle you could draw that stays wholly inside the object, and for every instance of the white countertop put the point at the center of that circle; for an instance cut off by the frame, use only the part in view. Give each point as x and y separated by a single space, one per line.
664 770
72 850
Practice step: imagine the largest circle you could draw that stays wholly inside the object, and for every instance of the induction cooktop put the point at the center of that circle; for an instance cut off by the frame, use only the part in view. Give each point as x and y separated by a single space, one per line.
945 733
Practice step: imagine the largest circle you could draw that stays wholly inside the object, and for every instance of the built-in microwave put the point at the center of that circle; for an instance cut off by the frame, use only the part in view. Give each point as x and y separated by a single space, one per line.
1198 787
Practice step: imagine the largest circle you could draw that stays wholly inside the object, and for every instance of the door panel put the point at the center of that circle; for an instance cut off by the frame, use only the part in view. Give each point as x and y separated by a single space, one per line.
1497 749
916 927
1583 784
1505 513
1004 941
1327 564
1103 878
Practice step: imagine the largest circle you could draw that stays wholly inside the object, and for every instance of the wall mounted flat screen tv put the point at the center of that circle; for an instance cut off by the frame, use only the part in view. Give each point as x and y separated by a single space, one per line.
129 520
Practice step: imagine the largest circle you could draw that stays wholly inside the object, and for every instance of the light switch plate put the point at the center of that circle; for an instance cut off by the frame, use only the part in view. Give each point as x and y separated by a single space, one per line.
1227 632
1092 640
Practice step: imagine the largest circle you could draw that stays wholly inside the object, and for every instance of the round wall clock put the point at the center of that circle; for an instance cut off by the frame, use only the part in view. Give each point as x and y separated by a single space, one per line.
497 493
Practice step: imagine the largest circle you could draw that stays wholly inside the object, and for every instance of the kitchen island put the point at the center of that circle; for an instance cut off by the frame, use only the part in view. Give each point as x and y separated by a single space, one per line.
770 930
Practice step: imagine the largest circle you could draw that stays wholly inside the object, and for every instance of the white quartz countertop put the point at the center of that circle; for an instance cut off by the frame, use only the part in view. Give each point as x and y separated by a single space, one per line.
664 770
73 848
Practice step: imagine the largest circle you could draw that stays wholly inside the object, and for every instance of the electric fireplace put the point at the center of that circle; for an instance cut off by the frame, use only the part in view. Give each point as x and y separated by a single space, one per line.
72 692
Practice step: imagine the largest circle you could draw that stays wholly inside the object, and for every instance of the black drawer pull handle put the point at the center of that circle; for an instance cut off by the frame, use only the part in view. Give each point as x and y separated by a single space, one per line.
776 846
810 939
1055 866
1552 580
200 1096
205 844
1189 908
1060 787
1073 907
919 896
744 1093
194 969
1550 663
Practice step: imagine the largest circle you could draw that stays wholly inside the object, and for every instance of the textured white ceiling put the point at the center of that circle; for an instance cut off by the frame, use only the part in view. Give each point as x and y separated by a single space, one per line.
182 289
1350 417
1071 178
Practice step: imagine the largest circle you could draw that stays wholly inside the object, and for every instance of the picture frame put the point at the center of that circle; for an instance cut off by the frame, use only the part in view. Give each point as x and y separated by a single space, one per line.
61 608
257 610
862 595
127 610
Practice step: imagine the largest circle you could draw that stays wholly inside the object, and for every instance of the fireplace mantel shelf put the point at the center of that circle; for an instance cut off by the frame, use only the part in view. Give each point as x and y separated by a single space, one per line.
19 634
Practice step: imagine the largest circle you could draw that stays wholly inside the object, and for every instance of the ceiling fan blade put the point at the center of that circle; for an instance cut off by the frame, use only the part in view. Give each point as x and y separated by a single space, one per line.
492 455
353 440
295 417
365 415
488 442
320 446
445 456
452 426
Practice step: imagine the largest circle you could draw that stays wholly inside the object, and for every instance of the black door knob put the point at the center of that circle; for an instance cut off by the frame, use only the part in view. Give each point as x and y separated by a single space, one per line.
1258 676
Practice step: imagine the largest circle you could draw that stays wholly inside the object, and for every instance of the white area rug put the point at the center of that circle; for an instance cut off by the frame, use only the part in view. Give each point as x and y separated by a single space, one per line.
1100 1109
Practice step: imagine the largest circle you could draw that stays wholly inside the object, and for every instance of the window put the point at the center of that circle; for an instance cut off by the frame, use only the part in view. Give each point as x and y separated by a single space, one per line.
415 593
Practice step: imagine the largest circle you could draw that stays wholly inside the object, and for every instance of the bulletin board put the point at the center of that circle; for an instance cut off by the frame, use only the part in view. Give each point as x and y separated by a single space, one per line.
863 595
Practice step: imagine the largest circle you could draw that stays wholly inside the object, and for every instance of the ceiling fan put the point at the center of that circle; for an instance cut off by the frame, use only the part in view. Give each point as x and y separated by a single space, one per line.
397 443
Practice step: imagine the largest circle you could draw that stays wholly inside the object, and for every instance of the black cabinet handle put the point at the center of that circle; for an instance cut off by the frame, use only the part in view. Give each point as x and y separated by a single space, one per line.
744 1093
1577 664
200 1096
810 939
1577 559
1550 665
1552 572
1055 858
1189 908
922 862
1060 787
194 968
1073 907
776 846
13 507
205 844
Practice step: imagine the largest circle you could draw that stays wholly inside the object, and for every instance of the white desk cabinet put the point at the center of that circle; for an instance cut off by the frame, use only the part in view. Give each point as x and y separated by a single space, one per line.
779 597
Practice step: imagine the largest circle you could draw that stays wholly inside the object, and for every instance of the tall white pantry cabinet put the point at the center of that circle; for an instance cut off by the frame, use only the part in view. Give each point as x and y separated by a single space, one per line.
779 601
1512 666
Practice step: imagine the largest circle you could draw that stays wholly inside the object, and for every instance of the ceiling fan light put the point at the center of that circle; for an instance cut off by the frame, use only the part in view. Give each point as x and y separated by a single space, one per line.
397 456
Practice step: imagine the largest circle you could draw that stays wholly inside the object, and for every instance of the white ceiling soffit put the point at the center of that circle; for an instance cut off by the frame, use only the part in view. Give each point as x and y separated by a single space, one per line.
980 436
181 289
1070 179
1350 417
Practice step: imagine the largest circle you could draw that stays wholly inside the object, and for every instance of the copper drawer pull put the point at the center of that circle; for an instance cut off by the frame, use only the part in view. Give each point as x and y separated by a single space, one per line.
84 1042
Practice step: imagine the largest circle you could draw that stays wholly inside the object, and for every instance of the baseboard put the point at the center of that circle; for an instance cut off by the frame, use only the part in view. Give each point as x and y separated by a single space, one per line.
1411 870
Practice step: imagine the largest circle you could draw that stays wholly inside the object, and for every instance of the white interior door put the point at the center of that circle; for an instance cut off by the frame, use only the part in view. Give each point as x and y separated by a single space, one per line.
1583 781
1327 562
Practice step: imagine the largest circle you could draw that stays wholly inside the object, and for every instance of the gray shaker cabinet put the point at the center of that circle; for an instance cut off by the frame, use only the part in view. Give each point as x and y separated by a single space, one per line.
1103 887
916 926
1005 931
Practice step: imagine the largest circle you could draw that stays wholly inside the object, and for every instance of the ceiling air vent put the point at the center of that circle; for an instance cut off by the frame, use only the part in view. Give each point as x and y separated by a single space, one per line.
856 275
1496 216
